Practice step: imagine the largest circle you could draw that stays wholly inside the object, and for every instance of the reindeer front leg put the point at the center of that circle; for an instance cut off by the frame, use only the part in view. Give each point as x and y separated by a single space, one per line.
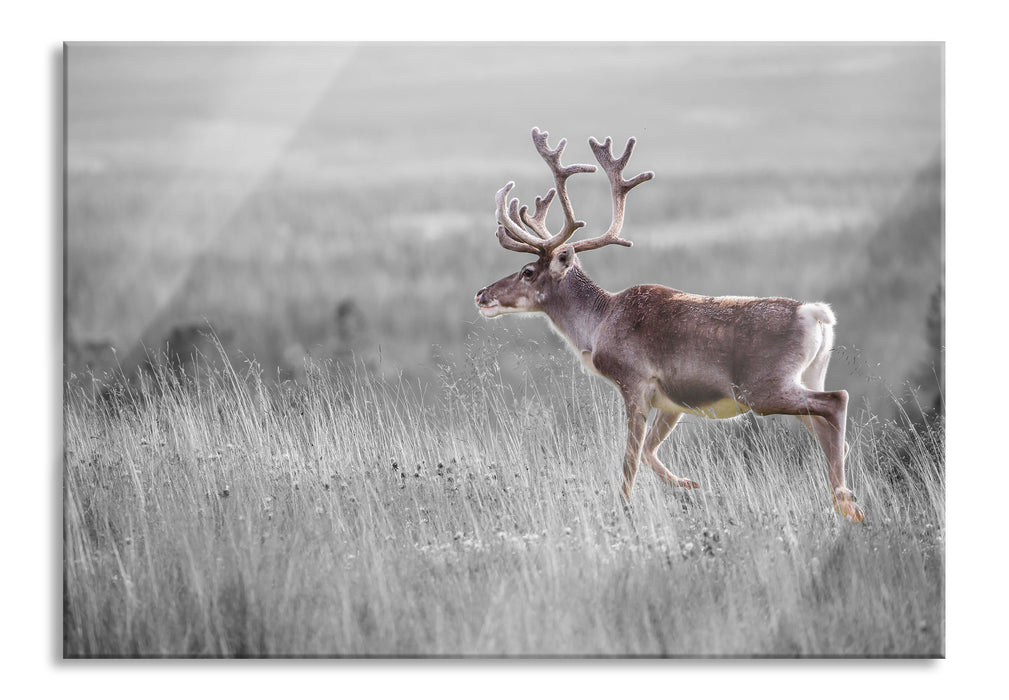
637 417
663 424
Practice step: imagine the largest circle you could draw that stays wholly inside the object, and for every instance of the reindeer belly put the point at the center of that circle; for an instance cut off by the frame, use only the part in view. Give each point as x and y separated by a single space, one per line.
722 408
696 399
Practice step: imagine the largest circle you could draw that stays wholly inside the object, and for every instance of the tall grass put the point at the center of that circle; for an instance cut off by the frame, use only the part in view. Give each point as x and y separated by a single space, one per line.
347 514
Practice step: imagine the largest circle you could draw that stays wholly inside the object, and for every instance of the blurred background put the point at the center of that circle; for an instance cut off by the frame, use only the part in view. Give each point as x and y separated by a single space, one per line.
336 201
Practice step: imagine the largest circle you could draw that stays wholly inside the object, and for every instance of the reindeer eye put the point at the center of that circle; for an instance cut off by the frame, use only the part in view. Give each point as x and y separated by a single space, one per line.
527 273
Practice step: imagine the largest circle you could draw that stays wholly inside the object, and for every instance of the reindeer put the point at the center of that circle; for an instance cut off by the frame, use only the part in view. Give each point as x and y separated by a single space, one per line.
716 357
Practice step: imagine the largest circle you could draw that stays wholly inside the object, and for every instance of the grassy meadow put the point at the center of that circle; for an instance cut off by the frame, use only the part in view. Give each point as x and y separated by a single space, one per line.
339 516
351 462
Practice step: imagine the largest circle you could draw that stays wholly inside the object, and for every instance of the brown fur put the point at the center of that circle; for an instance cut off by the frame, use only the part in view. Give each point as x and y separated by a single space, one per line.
675 351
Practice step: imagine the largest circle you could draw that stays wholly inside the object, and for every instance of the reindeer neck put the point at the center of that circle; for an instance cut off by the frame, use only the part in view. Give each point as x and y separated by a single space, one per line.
577 308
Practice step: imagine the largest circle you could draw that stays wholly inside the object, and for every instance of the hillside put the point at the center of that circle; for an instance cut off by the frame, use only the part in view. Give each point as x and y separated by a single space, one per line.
898 297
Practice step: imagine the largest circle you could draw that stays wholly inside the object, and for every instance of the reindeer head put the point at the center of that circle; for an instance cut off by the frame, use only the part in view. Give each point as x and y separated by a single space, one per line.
529 288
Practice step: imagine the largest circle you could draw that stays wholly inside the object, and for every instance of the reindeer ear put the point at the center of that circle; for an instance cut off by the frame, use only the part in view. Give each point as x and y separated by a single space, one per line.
562 261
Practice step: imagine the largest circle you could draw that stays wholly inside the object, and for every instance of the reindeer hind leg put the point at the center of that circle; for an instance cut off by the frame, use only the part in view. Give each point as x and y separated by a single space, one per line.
829 428
814 376
825 414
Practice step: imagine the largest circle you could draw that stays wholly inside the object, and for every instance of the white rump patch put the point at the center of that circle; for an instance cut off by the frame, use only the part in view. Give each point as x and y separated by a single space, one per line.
819 311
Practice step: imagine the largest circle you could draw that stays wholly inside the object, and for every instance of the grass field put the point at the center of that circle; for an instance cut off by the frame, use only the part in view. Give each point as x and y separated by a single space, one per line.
338 516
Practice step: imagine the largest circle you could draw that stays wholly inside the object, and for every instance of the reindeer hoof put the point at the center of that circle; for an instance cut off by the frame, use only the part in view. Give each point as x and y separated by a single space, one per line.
844 504
687 484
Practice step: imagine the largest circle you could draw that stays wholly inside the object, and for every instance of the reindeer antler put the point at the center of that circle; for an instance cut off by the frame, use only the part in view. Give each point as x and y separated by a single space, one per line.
513 219
510 232
619 187
552 157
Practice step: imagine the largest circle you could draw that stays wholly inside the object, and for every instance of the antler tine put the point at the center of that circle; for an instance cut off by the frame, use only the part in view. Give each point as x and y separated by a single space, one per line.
552 157
619 187
510 243
538 221
511 225
513 212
